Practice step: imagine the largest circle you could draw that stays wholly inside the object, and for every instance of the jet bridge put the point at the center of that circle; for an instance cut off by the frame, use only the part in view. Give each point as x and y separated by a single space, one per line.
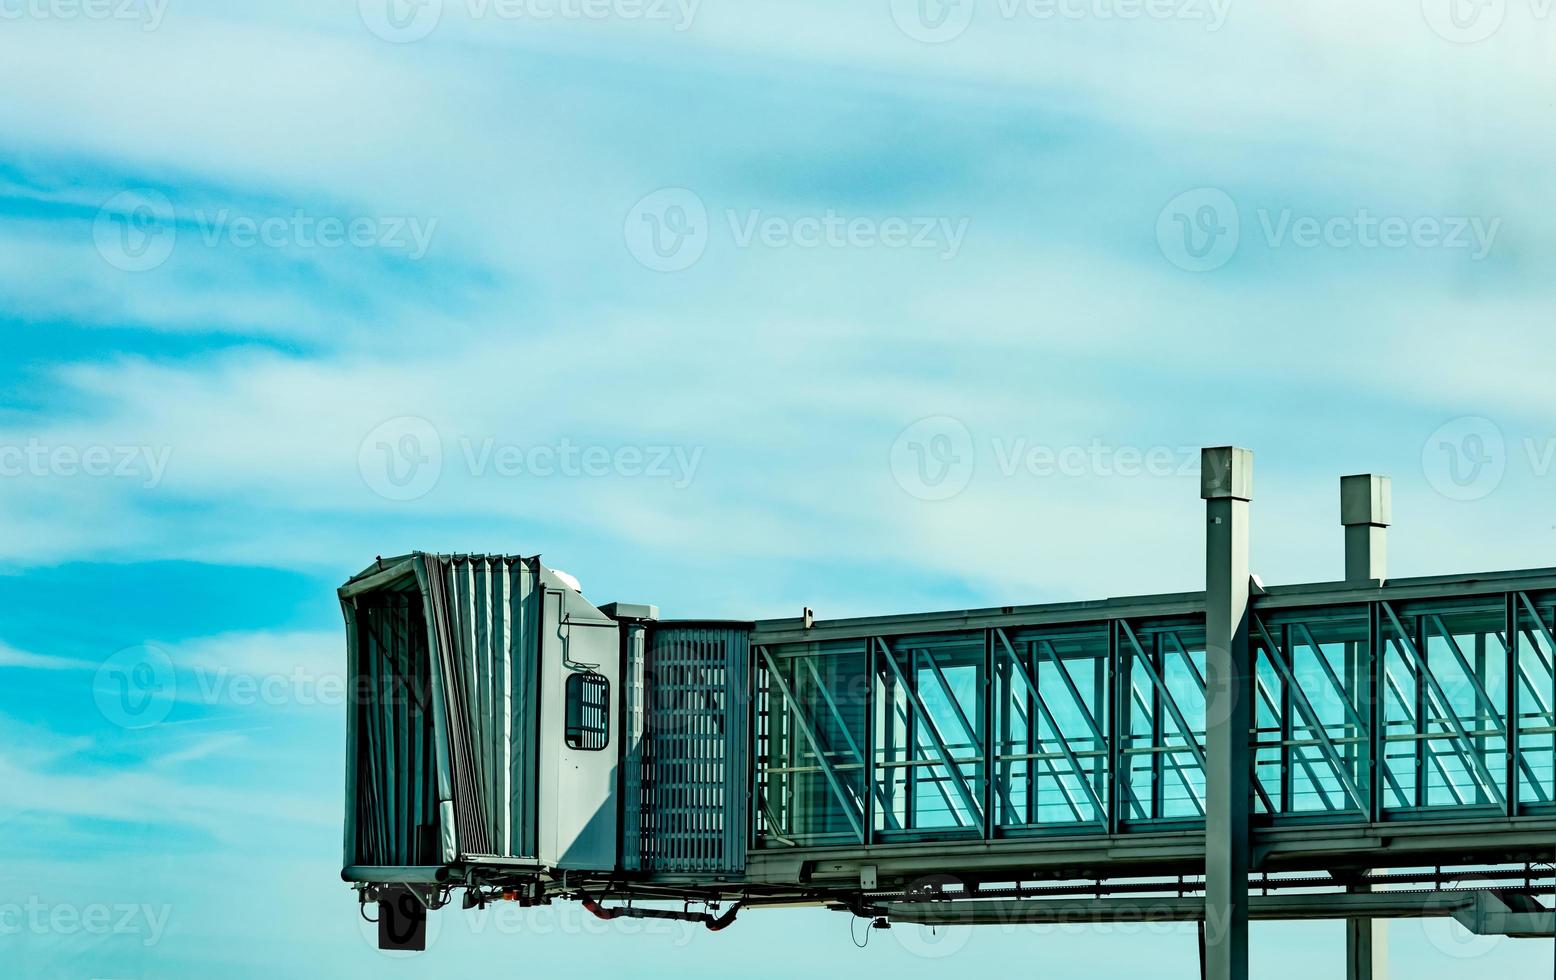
1361 749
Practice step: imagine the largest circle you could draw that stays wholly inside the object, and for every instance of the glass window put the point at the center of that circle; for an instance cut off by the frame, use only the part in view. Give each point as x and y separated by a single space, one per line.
588 712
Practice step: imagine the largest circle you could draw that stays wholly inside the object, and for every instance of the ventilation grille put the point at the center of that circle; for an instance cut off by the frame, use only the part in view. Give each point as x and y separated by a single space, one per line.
694 772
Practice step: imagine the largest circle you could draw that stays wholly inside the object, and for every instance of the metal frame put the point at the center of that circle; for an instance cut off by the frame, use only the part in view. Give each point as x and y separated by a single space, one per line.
1350 760
1241 734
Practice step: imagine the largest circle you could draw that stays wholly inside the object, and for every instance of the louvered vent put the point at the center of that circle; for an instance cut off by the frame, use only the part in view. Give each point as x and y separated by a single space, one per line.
694 779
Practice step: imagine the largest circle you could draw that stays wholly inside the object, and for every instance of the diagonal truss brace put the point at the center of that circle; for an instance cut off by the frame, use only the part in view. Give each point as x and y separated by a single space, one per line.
1191 743
1497 716
1199 684
853 746
968 729
1466 748
1351 714
827 769
1277 657
1070 758
952 768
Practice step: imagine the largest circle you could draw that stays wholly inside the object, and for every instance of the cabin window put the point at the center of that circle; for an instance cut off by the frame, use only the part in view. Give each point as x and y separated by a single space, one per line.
588 712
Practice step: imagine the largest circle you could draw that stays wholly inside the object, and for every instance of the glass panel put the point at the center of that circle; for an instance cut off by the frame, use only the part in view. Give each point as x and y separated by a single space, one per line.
925 709
1446 696
1166 724
1536 687
1311 716
929 733
814 696
1051 696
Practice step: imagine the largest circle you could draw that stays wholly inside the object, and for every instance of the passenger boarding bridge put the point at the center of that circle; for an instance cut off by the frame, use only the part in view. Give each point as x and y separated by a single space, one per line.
1362 749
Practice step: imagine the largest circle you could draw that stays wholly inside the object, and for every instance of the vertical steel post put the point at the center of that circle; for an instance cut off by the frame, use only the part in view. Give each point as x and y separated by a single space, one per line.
1365 512
1226 484
1118 732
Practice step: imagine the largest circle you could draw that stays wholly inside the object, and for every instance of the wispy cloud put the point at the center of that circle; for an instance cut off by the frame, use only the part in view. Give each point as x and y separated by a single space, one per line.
12 657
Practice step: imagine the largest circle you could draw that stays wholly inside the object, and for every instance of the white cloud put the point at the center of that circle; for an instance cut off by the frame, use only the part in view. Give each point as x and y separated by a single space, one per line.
1058 324
12 657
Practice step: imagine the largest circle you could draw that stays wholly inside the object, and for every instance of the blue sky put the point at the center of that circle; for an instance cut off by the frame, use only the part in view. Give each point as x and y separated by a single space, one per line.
681 296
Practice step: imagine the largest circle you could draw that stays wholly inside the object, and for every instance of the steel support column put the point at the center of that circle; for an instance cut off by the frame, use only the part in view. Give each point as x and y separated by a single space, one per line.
1226 484
1366 506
